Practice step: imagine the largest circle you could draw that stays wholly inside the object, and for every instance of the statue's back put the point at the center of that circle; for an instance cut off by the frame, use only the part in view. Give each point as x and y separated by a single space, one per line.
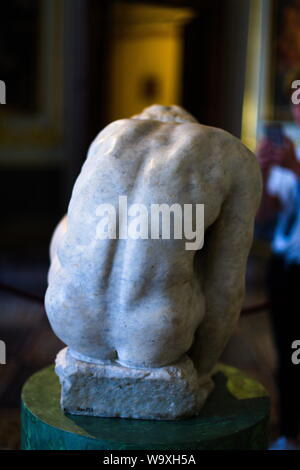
138 300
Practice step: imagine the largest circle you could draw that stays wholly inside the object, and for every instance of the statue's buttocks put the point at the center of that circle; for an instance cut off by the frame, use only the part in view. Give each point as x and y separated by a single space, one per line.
143 301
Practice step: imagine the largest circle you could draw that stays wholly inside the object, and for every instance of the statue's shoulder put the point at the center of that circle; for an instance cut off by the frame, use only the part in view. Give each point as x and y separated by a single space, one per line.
228 145
130 127
224 151
114 126
201 132
217 136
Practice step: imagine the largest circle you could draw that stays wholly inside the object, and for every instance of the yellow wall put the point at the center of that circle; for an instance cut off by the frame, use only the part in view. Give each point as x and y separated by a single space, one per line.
147 45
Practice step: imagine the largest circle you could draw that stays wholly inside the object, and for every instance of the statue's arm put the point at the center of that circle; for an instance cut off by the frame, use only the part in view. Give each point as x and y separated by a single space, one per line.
57 236
58 233
225 253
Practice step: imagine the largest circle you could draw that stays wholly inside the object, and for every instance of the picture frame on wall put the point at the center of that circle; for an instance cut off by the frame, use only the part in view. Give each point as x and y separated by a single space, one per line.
32 118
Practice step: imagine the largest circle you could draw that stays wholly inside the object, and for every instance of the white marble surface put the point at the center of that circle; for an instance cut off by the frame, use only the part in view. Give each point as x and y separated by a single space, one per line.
146 303
112 390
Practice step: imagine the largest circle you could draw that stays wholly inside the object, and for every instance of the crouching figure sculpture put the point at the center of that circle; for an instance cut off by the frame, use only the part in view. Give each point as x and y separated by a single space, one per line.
145 319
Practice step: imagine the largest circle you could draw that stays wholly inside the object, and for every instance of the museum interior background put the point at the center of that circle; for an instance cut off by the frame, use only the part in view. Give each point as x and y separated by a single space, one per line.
71 67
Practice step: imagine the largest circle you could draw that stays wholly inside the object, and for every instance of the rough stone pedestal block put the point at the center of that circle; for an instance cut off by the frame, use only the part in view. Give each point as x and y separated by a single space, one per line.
112 390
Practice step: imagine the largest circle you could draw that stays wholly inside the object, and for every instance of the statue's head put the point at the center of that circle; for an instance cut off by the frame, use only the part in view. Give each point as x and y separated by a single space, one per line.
158 112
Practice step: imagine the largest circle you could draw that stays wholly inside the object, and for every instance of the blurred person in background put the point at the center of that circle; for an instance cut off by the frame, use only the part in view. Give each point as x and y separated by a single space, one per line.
280 165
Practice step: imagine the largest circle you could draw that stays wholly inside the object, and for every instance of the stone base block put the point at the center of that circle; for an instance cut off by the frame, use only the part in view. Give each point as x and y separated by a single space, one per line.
112 390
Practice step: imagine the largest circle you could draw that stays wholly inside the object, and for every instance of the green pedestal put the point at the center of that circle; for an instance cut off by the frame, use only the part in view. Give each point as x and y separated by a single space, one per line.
234 417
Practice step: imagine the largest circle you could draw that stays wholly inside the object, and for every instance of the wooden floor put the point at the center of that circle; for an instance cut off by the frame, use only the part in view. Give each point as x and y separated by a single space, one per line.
31 345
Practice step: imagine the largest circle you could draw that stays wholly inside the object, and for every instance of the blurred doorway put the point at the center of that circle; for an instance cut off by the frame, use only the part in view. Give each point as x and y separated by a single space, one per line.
146 57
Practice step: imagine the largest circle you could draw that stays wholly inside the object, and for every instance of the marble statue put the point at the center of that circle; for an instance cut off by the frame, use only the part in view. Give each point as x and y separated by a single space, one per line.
146 320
